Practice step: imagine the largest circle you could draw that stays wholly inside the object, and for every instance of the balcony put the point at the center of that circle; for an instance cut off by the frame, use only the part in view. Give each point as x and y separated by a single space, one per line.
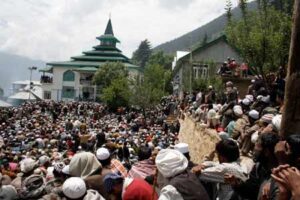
86 82
46 80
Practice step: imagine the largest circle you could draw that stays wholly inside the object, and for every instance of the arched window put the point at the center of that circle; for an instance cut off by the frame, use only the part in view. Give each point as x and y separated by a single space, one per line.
69 76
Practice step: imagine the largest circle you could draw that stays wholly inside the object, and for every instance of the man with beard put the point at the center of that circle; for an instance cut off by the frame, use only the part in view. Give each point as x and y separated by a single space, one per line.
261 172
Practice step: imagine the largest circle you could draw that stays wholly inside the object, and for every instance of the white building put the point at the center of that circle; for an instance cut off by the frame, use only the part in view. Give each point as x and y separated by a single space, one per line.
72 80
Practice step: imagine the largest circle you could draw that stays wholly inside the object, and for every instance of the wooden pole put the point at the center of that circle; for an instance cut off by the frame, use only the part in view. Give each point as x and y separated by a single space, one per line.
291 114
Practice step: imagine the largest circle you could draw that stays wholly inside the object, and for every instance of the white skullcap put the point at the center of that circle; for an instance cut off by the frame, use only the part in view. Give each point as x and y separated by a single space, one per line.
246 102
27 165
66 170
259 97
170 162
182 147
74 188
238 110
102 153
250 97
254 114
276 122
266 99
44 159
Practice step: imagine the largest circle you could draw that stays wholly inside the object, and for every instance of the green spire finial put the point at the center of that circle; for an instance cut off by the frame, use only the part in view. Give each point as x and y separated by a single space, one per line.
109 29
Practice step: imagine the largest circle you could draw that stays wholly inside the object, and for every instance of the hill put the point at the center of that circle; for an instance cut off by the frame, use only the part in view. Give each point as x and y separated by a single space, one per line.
212 29
14 68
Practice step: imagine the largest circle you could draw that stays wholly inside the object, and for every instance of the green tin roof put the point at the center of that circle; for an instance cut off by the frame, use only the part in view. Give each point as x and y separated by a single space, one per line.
106 48
47 69
82 65
104 53
108 38
98 58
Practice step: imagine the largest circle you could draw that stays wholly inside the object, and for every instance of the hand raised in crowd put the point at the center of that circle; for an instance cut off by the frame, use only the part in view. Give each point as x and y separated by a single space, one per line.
288 180
284 193
266 191
197 169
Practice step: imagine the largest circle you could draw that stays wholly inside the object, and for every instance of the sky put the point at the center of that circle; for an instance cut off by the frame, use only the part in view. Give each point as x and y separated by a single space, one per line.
55 30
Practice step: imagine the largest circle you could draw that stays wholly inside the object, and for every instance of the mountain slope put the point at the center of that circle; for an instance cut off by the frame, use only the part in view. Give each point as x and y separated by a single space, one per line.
211 29
14 68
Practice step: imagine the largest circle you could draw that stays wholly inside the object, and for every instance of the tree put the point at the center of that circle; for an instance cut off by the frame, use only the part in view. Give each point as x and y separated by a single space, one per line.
113 80
108 72
152 89
291 114
142 54
117 94
263 38
228 9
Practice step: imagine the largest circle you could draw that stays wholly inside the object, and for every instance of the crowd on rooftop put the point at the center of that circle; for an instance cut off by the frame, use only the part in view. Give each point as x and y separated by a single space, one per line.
82 151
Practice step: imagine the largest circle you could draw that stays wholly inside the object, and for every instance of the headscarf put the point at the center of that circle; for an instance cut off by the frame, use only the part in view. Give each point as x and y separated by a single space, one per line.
27 165
170 162
84 164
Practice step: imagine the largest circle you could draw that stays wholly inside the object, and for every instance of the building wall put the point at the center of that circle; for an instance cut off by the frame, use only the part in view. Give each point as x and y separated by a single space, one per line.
56 87
218 53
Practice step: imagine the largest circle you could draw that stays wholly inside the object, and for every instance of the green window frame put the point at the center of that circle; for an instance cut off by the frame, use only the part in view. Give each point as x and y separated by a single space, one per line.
69 76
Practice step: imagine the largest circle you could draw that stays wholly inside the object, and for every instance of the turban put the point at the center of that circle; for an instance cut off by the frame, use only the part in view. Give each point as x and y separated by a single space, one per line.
170 162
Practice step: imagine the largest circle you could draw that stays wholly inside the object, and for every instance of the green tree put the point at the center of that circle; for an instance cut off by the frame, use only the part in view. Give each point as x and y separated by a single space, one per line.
164 60
263 38
149 93
117 94
142 54
228 9
108 72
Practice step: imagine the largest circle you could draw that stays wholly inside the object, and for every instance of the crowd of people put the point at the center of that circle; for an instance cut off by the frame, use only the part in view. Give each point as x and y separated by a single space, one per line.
230 67
82 151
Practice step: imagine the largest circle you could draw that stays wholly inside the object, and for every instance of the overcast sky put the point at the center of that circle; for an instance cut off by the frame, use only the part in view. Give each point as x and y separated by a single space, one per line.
54 30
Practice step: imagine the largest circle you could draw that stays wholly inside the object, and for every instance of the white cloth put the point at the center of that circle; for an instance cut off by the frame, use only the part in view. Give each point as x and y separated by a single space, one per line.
93 195
27 165
238 110
276 122
74 188
182 147
102 153
211 114
169 192
246 102
254 114
170 162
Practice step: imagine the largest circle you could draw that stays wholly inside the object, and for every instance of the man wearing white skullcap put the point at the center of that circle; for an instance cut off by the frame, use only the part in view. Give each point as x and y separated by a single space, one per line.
182 184
254 114
276 122
75 188
184 149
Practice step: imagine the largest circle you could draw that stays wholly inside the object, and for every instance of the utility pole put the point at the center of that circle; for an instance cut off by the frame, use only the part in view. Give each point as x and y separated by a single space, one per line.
290 123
